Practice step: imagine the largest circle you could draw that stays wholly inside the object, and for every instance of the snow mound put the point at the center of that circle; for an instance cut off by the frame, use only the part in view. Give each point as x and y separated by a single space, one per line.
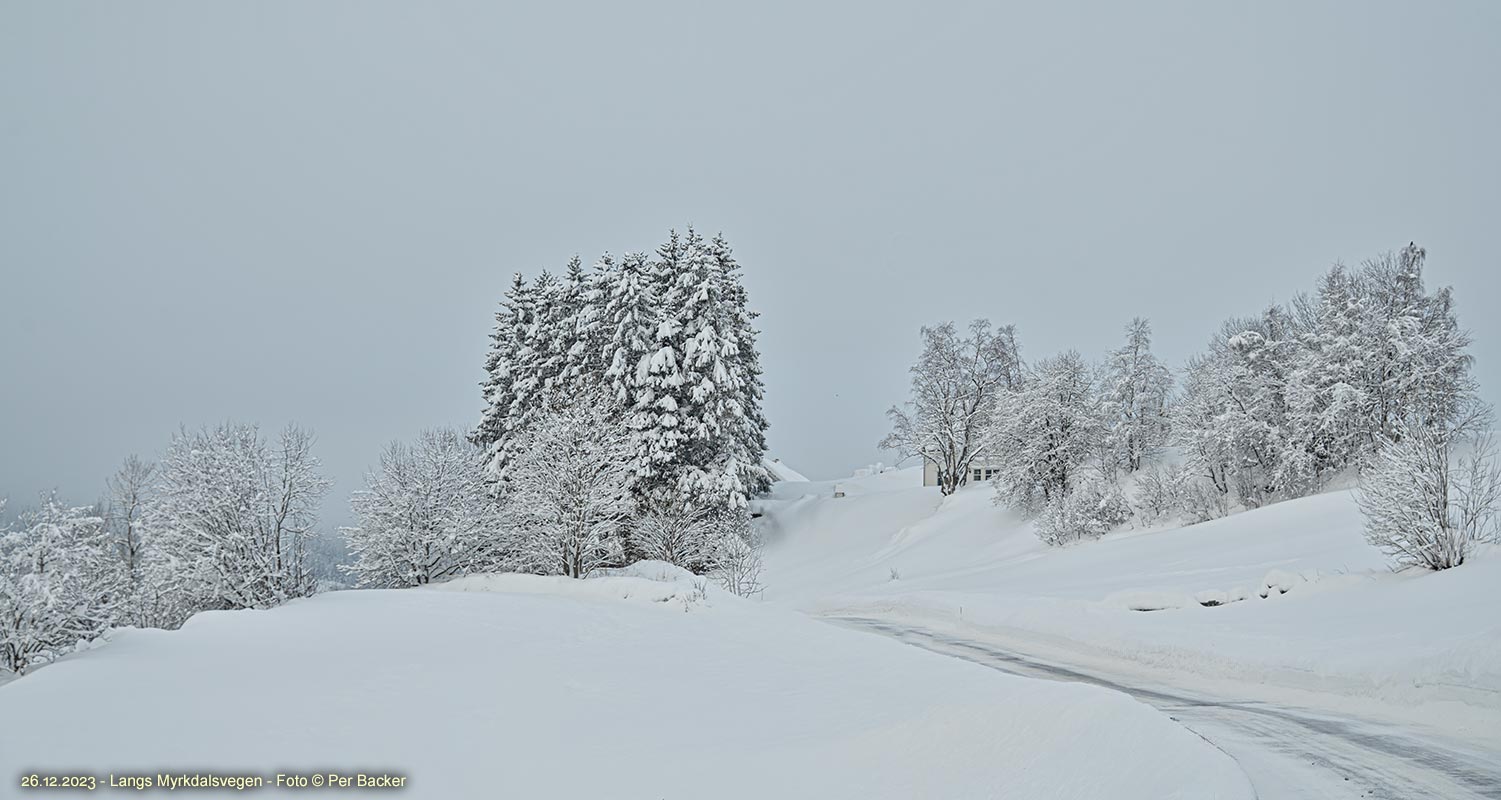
650 582
554 688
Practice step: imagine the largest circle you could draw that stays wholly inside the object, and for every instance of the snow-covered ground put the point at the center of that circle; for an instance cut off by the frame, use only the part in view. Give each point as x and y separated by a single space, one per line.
1286 606
640 684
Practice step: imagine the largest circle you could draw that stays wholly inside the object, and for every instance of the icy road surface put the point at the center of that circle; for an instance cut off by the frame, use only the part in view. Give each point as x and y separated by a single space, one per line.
1287 752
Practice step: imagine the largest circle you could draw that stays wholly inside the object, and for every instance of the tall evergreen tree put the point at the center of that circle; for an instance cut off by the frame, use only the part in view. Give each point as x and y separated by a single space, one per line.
747 362
504 368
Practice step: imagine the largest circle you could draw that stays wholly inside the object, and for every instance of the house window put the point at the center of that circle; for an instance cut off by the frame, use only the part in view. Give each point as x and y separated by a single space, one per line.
978 474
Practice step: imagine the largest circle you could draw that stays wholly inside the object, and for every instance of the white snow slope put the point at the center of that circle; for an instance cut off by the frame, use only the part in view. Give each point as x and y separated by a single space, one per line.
1336 624
632 685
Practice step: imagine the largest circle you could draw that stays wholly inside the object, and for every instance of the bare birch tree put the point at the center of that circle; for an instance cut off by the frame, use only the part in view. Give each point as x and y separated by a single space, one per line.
956 386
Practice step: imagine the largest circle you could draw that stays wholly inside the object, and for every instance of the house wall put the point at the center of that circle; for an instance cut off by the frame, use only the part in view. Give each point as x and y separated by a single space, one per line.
930 470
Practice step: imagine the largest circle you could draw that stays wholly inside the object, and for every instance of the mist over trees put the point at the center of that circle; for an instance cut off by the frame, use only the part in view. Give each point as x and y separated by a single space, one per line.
1369 375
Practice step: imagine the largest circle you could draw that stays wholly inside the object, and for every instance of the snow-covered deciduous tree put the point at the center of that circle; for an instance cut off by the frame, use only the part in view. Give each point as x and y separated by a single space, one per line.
1326 391
568 499
1430 496
1134 388
142 602
128 493
1419 372
425 515
1045 432
1233 419
957 385
60 583
234 515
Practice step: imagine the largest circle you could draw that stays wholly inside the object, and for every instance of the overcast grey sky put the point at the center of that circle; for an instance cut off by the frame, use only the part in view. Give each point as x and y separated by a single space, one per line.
308 210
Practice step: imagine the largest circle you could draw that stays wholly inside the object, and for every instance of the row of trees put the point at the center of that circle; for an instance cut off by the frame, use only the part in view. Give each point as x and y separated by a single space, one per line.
668 340
223 521
430 511
1371 371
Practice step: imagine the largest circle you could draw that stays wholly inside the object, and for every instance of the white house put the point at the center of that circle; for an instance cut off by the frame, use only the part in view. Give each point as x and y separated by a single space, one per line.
982 468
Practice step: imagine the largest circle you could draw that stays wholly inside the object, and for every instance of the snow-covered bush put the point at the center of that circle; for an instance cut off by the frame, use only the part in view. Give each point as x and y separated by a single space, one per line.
736 557
1427 506
568 497
1201 500
1091 510
677 536
232 515
1158 493
426 514
60 583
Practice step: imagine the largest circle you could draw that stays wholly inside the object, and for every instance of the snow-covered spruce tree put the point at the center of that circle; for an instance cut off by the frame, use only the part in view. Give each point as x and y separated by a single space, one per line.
1045 432
957 385
706 453
628 317
425 514
234 515
747 362
1134 388
568 499
504 368
573 331
60 583
1430 496
659 392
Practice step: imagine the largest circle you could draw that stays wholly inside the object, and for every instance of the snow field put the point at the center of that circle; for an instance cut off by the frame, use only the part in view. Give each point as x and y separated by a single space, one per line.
644 684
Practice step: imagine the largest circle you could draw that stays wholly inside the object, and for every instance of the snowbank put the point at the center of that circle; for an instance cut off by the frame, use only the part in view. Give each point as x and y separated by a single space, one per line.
1290 594
521 686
